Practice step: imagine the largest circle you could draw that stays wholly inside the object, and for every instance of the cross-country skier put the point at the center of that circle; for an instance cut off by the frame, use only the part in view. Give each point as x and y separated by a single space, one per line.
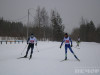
78 41
31 41
67 41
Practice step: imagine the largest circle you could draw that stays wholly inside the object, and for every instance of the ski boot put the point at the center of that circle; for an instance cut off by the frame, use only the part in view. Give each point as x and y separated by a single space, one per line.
30 57
25 56
65 58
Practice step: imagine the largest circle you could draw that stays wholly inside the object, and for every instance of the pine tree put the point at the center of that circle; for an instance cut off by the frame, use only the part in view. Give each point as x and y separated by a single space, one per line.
58 28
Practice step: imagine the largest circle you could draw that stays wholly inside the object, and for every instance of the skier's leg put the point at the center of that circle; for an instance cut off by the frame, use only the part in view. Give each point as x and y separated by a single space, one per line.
65 52
78 43
72 52
31 52
27 50
70 49
32 47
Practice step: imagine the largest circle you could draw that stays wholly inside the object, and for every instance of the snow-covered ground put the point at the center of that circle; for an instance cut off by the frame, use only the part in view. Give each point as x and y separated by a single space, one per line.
48 60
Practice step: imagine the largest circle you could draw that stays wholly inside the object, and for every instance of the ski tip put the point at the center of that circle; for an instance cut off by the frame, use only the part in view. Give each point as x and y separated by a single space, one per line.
63 60
30 58
21 57
78 59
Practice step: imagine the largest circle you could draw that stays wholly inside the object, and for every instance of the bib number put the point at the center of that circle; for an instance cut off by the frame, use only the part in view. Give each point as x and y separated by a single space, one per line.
67 41
31 41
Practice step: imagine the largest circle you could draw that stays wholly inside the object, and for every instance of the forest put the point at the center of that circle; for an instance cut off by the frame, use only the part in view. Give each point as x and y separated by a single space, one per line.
49 27
87 32
44 27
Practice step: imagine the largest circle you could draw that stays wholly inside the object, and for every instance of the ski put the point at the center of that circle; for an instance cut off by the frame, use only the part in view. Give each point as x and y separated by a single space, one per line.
76 57
77 47
63 60
21 57
67 60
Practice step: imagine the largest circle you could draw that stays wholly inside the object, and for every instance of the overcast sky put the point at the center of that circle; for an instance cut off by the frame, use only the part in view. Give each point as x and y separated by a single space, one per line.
71 11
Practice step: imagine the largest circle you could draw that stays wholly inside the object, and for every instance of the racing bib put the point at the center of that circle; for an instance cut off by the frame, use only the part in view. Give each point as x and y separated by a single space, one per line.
31 41
67 41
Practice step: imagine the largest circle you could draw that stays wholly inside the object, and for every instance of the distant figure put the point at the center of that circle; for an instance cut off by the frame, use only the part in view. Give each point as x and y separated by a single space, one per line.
67 41
78 41
31 41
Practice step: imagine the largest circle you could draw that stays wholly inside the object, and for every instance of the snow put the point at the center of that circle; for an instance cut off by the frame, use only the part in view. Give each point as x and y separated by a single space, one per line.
48 60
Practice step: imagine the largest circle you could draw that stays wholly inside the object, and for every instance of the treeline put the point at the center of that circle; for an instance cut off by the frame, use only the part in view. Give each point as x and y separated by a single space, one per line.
44 27
87 32
12 29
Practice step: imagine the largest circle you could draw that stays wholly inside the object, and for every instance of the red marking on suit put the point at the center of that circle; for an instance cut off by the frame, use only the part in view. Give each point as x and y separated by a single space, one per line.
67 41
31 41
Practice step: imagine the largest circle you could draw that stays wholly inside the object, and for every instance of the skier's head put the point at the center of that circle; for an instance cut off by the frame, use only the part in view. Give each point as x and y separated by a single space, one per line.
66 35
32 35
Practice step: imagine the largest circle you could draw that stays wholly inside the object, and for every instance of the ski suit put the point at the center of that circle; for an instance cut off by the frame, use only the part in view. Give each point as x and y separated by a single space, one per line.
31 41
78 41
67 45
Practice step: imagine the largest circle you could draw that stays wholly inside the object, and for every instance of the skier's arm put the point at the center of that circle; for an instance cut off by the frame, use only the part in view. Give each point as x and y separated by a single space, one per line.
62 43
28 40
35 41
71 41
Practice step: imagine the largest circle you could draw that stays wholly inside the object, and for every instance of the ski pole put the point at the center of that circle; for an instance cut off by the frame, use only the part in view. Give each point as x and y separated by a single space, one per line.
23 49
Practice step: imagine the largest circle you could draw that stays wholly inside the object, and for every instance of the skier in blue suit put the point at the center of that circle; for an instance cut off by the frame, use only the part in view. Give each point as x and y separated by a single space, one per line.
67 41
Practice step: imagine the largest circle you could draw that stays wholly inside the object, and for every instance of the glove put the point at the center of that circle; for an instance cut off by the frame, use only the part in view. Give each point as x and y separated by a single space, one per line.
36 44
60 46
71 45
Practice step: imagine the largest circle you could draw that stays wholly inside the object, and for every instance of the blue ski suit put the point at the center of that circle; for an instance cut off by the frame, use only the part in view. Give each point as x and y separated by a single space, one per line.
67 45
